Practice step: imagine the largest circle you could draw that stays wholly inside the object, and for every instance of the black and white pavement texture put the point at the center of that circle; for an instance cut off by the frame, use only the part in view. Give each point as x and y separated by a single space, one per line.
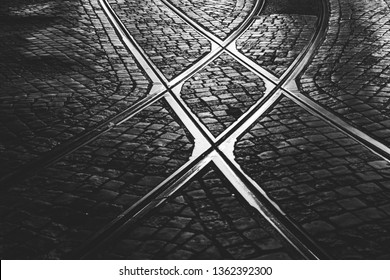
194 129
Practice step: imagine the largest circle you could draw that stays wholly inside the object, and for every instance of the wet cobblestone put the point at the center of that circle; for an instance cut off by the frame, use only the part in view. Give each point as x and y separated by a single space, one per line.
53 212
207 219
349 74
330 185
63 72
291 7
222 92
170 43
274 41
220 18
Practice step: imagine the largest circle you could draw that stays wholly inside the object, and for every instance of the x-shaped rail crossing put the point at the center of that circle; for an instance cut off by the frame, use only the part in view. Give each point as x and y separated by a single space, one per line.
219 150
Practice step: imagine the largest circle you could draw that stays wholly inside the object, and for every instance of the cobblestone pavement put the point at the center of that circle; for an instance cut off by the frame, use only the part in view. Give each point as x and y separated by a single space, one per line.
169 42
296 7
332 186
219 17
56 210
62 73
274 41
222 92
114 152
206 219
349 74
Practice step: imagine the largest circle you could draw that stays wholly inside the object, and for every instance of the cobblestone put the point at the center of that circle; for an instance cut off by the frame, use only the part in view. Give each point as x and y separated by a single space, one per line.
63 72
214 226
67 202
298 7
349 74
222 92
169 42
220 18
274 41
325 205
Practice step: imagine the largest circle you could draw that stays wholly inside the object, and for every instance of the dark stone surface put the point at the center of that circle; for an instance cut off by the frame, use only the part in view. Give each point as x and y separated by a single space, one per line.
220 93
313 188
215 230
66 203
274 41
220 18
170 43
348 74
62 73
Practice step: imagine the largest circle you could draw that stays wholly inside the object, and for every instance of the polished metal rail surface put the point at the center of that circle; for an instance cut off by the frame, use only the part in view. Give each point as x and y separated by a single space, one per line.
207 147
211 149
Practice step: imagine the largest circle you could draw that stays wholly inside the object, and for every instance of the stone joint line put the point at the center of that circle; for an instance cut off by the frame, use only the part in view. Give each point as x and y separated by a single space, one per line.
227 45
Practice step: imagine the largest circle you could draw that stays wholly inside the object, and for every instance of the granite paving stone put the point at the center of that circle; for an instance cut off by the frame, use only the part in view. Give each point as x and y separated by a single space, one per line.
205 219
64 204
219 17
274 41
292 7
170 43
349 73
221 92
63 71
333 187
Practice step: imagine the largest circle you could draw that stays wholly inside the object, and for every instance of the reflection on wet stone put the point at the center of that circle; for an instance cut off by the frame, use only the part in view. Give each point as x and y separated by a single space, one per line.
65 73
62 75
171 44
222 92
206 219
348 74
275 41
219 18
325 181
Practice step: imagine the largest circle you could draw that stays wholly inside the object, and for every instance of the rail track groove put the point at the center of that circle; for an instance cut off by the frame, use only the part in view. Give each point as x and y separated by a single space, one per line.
208 148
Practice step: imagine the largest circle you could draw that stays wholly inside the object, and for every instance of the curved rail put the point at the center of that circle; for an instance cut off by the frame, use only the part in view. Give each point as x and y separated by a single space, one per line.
217 152
208 148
